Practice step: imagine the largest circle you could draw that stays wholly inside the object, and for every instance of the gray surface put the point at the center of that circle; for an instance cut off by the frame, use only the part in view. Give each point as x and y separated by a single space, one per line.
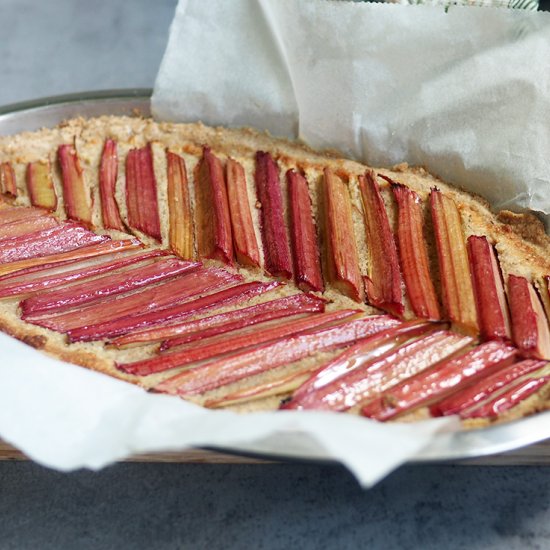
58 46
274 506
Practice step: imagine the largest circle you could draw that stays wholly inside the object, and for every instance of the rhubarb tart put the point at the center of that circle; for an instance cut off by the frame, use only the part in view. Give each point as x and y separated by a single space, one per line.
239 271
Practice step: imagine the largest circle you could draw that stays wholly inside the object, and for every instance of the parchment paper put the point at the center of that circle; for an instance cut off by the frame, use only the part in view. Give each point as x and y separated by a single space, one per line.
465 93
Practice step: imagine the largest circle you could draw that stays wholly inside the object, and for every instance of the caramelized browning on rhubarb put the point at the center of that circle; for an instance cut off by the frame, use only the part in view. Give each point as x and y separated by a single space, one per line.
40 185
340 247
237 335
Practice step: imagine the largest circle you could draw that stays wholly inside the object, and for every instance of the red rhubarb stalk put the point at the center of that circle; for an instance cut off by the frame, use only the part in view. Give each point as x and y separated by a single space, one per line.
214 347
160 296
108 285
128 325
23 227
368 376
456 283
179 207
414 255
356 357
141 192
529 324
108 173
237 366
213 222
383 283
9 214
61 238
485 388
244 236
449 376
15 269
307 265
342 261
27 285
40 185
275 239
8 184
240 318
492 309
78 202
503 402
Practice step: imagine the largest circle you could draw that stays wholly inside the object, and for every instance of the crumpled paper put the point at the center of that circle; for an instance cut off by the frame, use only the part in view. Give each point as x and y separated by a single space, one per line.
466 92
382 83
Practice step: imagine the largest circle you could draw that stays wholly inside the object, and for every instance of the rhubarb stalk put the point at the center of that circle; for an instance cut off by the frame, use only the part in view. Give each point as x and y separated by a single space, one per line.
108 173
244 236
8 184
179 207
274 236
456 282
448 376
485 388
222 323
373 369
383 283
141 192
307 265
217 346
237 366
78 203
213 222
492 309
530 330
40 185
130 325
414 255
340 246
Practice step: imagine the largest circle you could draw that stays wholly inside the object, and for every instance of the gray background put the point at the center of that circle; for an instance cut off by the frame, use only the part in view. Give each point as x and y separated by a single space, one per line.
52 47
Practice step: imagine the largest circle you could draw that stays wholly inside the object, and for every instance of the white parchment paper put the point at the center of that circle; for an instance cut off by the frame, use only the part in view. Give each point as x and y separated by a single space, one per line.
465 92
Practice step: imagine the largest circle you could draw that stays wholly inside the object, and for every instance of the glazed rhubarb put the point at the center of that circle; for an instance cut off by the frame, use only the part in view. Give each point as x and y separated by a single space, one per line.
40 185
244 235
107 285
32 265
212 219
222 323
177 290
108 173
141 192
11 214
342 261
77 199
359 355
275 240
485 388
508 399
130 325
180 216
307 264
413 254
446 377
237 366
530 330
492 309
383 283
220 345
61 238
8 184
20 228
20 286
456 283
368 376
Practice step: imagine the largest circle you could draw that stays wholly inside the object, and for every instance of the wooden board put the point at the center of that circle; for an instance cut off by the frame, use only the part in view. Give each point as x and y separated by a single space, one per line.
535 455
